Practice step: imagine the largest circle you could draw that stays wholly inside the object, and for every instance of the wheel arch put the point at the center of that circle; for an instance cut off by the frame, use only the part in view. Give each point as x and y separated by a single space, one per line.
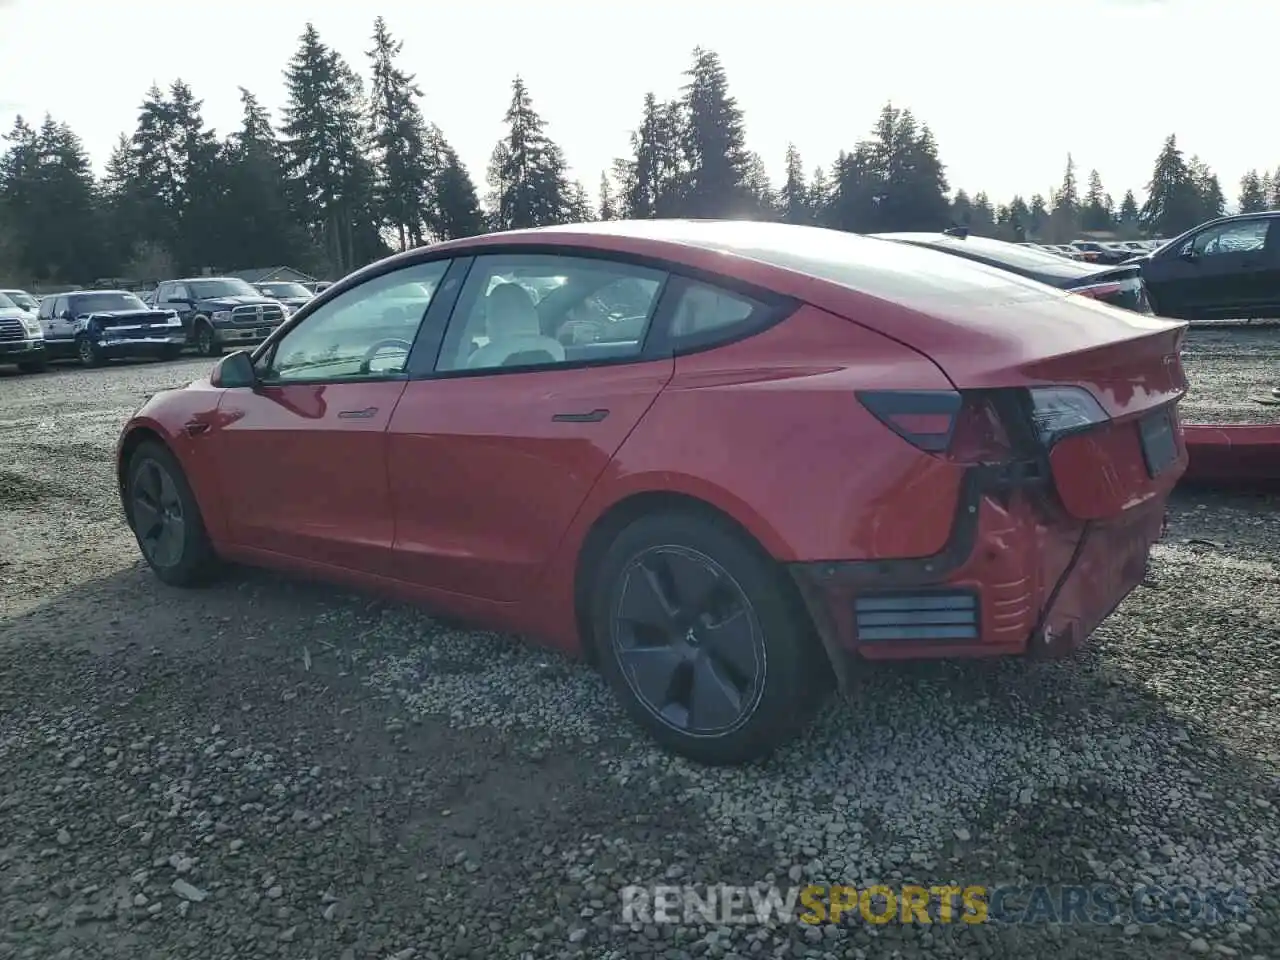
626 510
134 438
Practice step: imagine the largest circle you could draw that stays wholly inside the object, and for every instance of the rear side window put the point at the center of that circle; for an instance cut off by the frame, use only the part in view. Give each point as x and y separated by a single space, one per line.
705 315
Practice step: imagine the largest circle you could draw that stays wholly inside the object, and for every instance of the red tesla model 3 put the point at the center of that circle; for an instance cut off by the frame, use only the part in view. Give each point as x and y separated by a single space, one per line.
721 460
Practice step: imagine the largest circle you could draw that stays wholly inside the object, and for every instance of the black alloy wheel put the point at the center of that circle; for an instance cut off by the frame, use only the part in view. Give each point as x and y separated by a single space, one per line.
688 641
166 519
703 639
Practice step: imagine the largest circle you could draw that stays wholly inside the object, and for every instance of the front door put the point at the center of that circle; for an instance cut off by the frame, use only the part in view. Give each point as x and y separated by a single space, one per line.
302 457
541 376
1225 271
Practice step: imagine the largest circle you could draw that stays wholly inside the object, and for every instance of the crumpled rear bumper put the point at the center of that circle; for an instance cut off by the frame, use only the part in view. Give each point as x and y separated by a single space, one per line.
1018 576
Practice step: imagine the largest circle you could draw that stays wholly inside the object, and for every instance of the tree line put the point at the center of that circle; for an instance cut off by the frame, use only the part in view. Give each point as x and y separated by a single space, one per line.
351 170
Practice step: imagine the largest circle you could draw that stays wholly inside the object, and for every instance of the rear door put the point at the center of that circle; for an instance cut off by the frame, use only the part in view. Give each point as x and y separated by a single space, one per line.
496 444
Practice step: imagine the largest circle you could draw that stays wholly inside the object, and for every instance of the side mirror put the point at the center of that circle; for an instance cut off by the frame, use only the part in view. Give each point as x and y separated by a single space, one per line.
234 370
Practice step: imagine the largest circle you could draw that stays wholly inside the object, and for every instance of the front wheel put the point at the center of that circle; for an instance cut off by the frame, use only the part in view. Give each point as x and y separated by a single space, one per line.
87 352
166 518
702 639
206 342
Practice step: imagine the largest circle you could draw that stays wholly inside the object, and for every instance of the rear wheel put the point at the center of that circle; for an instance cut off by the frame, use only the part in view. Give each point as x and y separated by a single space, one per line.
701 640
166 518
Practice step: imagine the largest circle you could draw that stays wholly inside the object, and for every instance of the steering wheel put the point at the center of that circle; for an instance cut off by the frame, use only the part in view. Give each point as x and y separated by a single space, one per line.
373 351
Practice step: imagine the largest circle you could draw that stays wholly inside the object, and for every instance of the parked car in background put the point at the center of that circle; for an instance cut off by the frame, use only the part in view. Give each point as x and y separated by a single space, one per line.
22 300
21 339
813 446
98 325
1094 251
1120 286
217 311
292 295
1228 268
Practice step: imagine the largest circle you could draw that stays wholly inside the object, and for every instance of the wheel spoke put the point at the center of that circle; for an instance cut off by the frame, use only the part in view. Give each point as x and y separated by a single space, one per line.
647 599
146 484
695 584
146 517
654 671
730 644
714 699
168 492
167 543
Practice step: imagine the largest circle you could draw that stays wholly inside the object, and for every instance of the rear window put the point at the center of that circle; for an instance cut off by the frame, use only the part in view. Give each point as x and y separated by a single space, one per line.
1009 256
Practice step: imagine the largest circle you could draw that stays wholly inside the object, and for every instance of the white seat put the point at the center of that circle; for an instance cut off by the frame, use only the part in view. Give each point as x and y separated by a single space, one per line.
513 328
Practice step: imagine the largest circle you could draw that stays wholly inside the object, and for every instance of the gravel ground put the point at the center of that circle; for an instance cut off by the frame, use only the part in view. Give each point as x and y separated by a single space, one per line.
272 768
1228 365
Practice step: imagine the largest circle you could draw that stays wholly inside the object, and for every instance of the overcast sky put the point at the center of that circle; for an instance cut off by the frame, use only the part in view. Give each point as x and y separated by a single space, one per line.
1008 87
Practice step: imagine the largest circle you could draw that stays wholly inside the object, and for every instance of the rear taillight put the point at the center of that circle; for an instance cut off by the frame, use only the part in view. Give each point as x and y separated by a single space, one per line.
963 427
1129 293
973 426
1058 411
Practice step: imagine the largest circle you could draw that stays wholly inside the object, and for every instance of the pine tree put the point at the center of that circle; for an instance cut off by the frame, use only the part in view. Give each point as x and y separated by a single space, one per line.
608 209
1064 219
1096 212
326 154
819 196
49 199
1038 215
261 225
795 205
1213 202
1273 200
1253 193
1128 216
763 198
456 212
982 220
650 181
717 163
1174 203
961 209
527 181
405 173
579 210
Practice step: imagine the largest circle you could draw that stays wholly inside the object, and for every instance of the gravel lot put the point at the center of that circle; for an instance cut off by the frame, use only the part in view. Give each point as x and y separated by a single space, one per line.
272 768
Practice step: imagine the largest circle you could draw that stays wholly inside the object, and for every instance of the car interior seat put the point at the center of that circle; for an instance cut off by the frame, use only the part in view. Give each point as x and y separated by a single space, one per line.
515 334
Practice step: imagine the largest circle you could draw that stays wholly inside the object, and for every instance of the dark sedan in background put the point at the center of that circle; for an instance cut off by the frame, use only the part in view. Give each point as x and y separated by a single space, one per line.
1226 269
1120 286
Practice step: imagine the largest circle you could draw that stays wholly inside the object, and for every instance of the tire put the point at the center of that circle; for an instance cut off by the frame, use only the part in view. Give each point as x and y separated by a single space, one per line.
180 555
206 343
34 366
88 354
765 652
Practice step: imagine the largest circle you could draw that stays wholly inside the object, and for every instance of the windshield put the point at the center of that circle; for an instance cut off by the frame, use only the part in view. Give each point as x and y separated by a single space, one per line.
6 303
24 300
284 290
230 287
1012 256
105 303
